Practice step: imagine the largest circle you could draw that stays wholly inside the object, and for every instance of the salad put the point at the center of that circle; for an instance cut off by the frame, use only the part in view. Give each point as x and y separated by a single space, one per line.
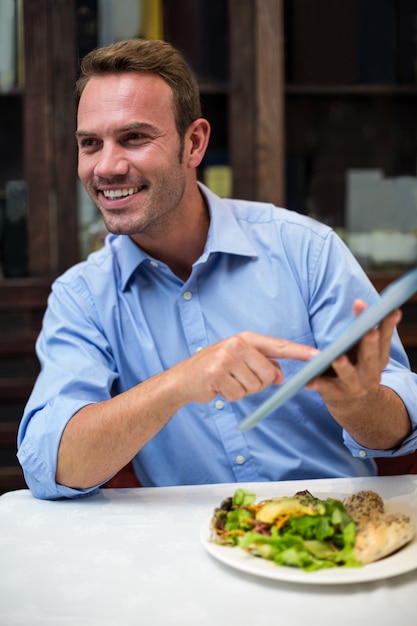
297 531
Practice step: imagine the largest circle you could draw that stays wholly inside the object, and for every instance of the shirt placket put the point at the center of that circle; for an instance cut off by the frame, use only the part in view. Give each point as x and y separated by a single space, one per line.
220 411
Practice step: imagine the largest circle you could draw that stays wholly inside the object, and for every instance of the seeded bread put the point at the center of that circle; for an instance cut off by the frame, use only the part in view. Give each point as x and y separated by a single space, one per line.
378 534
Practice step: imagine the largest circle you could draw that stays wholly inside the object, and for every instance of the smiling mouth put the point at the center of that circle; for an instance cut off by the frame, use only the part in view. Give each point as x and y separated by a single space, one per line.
112 194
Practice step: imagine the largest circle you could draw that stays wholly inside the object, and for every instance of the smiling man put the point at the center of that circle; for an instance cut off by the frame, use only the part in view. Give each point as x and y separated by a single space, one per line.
155 347
133 165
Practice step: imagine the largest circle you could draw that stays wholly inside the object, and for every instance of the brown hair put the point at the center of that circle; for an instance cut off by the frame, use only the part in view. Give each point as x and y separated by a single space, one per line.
148 56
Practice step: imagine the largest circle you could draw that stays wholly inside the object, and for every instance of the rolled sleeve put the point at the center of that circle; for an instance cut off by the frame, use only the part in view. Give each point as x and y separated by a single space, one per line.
38 443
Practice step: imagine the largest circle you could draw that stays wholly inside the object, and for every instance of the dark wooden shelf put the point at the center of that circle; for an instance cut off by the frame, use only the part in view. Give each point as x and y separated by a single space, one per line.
24 285
210 87
8 435
292 89
12 92
381 279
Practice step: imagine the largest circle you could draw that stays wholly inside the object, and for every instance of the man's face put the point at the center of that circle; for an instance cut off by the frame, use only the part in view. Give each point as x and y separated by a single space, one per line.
129 152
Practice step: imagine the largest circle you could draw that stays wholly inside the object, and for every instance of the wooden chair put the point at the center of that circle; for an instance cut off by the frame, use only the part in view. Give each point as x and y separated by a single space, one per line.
22 304
125 478
406 464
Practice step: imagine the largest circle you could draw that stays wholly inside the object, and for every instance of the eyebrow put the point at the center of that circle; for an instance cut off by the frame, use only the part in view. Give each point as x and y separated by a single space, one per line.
121 129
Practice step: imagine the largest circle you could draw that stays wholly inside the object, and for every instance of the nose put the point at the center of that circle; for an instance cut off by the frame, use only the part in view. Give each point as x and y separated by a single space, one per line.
111 161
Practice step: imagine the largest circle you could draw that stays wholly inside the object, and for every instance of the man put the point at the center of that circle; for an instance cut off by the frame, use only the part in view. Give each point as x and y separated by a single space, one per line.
159 344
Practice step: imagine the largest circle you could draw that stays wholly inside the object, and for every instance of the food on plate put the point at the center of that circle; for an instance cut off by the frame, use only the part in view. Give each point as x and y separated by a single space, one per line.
311 533
377 534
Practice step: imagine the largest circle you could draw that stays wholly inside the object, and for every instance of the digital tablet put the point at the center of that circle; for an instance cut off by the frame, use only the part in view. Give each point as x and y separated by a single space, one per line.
390 299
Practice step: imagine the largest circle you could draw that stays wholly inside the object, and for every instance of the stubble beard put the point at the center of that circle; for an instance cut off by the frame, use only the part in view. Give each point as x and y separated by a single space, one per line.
154 213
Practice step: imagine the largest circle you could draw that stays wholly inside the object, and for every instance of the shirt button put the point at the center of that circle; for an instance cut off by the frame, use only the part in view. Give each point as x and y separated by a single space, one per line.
199 348
219 405
362 454
154 263
187 295
240 459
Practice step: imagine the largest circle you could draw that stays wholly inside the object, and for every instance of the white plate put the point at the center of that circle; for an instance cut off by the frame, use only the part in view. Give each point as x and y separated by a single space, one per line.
391 298
401 562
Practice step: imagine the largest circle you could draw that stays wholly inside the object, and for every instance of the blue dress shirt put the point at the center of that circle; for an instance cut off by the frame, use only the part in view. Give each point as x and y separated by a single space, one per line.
121 316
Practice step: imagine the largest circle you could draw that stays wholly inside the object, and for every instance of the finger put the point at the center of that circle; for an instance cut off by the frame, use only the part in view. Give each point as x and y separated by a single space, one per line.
359 306
233 388
244 381
234 368
386 330
369 366
372 356
275 348
250 366
391 320
346 375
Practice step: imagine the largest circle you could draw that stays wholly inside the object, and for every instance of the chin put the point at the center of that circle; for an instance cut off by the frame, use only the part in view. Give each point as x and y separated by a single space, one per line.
117 228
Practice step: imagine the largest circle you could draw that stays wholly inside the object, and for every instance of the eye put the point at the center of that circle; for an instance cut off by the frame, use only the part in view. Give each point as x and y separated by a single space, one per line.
136 137
86 143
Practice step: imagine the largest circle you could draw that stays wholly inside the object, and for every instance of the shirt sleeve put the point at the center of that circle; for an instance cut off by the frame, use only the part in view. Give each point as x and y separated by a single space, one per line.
76 369
38 451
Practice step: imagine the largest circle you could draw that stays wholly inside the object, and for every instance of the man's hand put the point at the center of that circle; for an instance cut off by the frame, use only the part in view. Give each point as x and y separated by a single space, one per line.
354 380
373 414
237 366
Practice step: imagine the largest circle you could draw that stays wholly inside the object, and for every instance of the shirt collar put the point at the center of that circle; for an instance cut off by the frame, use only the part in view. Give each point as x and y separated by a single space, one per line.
225 235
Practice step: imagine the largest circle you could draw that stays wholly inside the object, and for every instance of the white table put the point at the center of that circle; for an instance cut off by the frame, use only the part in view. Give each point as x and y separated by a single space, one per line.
133 556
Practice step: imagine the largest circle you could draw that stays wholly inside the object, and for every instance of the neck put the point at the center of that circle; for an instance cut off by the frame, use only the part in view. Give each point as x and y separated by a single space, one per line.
182 245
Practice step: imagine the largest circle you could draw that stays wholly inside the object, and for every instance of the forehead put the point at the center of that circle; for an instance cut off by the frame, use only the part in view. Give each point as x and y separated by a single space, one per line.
123 98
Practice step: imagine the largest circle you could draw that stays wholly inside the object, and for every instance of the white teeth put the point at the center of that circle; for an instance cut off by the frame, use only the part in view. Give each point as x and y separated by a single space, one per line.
120 193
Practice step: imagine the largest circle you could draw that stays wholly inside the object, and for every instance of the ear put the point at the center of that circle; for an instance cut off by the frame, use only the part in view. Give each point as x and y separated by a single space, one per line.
196 142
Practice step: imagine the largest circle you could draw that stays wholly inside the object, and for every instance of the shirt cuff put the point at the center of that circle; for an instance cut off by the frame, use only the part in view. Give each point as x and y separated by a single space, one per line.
39 438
